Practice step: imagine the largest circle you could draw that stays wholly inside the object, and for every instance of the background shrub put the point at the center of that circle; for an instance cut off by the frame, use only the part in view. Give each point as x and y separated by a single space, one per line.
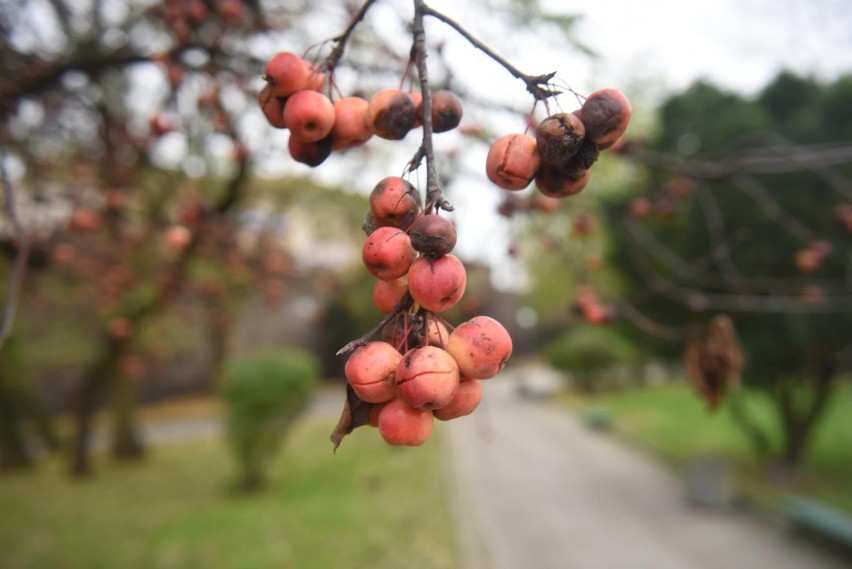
264 393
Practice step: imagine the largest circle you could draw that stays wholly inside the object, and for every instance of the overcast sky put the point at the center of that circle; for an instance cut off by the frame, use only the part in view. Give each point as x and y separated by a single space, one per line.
739 44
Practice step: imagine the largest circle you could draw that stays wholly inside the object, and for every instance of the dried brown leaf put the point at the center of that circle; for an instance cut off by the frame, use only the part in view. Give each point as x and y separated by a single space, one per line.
356 413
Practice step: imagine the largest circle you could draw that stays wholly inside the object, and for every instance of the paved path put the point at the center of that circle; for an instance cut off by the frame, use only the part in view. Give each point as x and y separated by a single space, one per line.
537 489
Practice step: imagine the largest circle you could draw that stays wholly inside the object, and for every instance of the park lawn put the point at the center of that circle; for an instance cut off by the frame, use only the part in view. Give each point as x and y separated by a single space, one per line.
369 505
673 422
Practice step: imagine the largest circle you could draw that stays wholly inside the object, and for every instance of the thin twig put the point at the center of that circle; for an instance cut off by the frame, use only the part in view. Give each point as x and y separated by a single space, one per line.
341 40
402 306
434 196
776 159
535 83
20 264
772 209
648 325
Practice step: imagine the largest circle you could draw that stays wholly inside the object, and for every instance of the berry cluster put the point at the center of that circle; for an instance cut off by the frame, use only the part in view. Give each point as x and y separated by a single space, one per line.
293 99
565 146
422 368
419 370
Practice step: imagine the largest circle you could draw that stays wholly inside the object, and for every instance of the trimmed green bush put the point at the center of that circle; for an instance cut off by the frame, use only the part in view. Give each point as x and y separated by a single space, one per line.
587 350
264 394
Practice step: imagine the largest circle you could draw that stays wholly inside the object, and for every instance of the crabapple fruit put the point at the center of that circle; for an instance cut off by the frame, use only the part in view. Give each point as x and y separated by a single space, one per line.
808 260
481 346
388 253
437 284
555 183
640 207
605 114
433 235
371 371
394 202
387 294
350 123
309 115
178 237
559 138
287 73
391 114
446 111
272 107
596 313
403 425
310 153
427 378
512 161
583 225
464 402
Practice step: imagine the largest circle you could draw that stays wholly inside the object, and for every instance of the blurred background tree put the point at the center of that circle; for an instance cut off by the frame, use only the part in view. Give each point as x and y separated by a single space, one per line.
742 208
123 148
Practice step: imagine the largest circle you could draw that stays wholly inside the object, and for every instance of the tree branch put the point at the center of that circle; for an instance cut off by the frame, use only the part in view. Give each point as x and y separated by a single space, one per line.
535 83
342 39
434 196
23 242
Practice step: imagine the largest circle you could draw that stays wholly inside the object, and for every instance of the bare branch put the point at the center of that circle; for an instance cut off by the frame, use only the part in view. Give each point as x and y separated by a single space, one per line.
536 84
773 159
20 264
696 271
342 39
736 301
434 195
772 209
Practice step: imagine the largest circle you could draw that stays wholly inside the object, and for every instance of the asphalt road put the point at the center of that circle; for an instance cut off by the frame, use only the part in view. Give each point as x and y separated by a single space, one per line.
535 488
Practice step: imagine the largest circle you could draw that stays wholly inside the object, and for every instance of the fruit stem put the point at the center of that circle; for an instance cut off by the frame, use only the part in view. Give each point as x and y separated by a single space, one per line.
401 307
434 196
536 84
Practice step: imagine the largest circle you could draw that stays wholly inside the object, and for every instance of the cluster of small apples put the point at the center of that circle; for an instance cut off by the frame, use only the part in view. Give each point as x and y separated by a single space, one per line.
419 371
564 148
292 99
587 305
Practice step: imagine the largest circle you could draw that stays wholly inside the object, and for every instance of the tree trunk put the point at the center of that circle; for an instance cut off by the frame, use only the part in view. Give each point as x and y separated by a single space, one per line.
94 382
756 435
126 442
220 324
801 405
14 451
14 454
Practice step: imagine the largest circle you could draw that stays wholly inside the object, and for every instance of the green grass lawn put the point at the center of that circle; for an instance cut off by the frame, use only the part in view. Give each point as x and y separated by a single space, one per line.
673 422
370 506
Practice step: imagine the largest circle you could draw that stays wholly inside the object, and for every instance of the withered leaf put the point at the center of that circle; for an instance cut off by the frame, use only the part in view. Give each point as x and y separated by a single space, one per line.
714 360
356 413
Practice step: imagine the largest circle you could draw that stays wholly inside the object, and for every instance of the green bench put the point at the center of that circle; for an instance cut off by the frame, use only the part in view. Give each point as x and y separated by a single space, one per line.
829 523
